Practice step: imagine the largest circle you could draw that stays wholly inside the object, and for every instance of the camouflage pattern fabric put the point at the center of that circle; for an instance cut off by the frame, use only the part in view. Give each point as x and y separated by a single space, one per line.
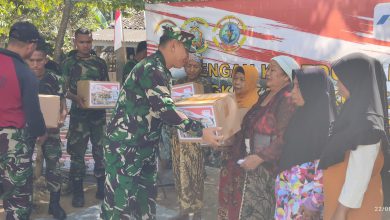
188 171
52 84
52 152
127 69
133 133
74 69
180 35
81 130
84 124
15 173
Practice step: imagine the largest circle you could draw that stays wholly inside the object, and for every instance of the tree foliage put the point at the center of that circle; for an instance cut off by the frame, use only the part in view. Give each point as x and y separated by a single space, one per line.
46 15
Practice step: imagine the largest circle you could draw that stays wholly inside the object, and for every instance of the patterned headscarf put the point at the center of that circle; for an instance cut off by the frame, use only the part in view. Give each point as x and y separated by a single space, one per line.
195 57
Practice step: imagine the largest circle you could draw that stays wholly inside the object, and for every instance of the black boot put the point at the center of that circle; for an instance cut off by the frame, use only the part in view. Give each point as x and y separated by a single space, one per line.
78 193
100 187
54 206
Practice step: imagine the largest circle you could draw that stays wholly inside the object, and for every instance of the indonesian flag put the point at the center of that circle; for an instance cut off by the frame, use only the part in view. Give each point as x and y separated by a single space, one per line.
118 34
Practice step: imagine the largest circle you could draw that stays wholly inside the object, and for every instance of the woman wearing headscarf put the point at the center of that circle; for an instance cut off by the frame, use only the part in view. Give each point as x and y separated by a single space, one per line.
193 70
188 158
263 133
298 187
231 180
353 155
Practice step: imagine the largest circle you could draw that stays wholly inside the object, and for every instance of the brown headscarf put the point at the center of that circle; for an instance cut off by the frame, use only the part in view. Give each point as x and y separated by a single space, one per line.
249 96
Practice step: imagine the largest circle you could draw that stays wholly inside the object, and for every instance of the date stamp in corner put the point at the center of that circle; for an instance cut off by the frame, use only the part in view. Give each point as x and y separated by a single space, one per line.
382 208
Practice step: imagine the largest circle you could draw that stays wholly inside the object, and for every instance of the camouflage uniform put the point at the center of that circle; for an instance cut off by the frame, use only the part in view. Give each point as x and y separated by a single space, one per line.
127 68
52 84
84 124
134 131
16 173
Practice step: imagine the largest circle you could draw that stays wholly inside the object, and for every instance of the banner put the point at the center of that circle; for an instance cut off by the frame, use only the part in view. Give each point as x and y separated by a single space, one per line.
230 33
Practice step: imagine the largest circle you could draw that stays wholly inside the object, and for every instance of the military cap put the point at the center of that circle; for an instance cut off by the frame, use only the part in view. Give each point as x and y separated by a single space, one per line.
180 35
24 31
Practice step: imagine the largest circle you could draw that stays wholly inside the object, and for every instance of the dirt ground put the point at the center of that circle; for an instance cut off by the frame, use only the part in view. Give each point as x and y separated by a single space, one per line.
167 197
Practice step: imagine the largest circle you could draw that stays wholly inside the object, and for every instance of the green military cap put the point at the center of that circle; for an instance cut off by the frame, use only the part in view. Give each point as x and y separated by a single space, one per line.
180 35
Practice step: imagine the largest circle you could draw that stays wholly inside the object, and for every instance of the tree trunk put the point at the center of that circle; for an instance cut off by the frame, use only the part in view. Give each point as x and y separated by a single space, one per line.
62 30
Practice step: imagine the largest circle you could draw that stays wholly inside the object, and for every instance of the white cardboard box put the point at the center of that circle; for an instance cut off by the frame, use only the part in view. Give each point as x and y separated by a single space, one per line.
98 94
213 110
186 90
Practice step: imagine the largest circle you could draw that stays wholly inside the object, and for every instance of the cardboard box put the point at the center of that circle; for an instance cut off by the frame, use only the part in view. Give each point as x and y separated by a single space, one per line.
98 94
236 125
50 107
186 90
213 110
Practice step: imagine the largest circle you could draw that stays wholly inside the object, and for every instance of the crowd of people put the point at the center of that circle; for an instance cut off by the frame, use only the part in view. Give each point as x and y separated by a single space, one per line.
298 155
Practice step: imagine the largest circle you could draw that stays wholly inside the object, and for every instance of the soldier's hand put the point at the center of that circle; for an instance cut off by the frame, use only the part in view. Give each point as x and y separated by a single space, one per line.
210 136
41 139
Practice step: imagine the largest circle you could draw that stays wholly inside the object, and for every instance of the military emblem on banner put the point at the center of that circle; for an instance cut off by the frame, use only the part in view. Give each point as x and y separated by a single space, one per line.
196 26
228 33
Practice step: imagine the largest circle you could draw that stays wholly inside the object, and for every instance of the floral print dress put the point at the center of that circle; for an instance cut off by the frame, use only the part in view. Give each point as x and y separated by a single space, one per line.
302 184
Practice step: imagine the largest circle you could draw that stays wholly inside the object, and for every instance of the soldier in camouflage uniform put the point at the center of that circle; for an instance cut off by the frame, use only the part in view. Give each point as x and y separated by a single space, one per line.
84 124
51 84
19 106
134 131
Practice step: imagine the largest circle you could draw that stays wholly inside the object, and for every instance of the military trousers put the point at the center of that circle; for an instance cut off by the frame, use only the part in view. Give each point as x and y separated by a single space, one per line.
15 173
52 152
81 130
130 186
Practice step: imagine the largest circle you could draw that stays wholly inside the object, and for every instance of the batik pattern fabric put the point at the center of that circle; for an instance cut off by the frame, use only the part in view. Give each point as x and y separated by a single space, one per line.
231 182
300 185
258 202
188 171
270 122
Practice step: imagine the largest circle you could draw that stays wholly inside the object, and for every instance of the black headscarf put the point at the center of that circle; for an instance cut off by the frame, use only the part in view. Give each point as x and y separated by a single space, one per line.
363 117
308 130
